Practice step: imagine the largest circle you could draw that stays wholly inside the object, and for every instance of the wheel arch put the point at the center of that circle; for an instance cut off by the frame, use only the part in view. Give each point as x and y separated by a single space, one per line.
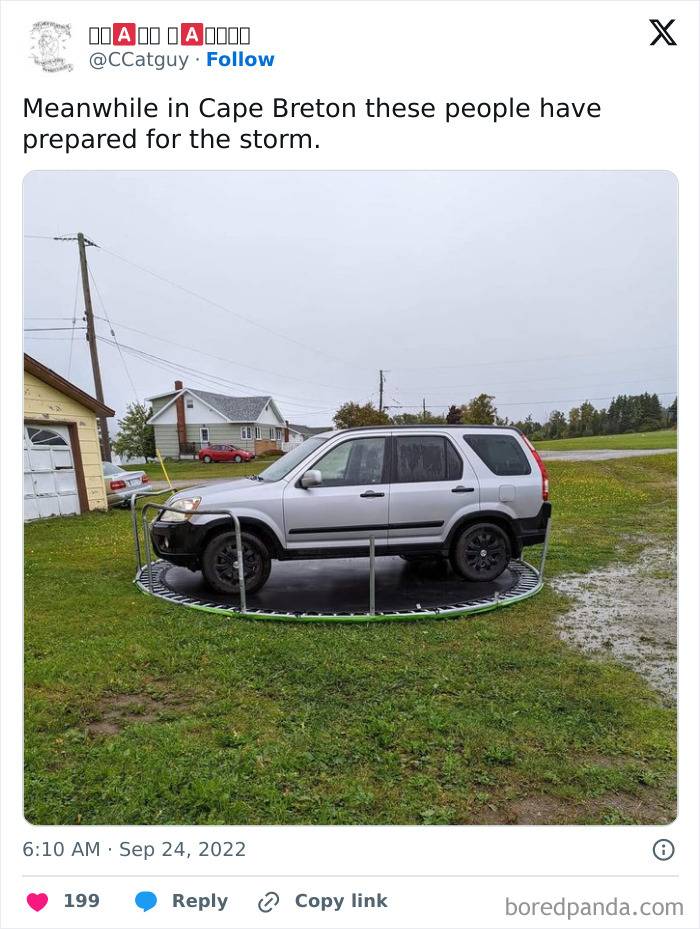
488 516
255 526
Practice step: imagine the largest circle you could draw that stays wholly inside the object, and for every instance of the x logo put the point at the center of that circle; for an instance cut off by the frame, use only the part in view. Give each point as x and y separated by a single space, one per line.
663 31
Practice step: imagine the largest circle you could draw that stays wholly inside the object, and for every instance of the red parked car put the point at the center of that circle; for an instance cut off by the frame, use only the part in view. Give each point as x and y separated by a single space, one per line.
224 453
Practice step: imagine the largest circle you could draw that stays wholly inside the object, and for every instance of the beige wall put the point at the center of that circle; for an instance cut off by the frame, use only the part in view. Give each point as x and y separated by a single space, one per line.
45 404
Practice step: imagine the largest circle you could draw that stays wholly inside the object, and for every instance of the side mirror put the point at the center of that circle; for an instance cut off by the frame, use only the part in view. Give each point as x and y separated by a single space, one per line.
311 479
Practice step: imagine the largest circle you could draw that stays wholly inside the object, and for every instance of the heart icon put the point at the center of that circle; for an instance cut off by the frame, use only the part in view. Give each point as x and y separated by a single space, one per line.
37 901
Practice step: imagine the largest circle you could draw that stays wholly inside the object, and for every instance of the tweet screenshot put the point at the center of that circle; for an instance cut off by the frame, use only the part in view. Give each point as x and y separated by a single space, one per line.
349 585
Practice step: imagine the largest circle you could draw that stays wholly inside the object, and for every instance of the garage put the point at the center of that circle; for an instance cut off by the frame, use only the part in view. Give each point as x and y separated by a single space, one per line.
50 480
61 447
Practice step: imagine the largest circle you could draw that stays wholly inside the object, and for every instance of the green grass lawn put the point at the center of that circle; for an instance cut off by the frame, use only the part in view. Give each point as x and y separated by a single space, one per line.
139 711
194 470
665 438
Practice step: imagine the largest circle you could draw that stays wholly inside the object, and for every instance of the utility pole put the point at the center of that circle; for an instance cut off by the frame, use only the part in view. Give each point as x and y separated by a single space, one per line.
381 391
91 338
423 409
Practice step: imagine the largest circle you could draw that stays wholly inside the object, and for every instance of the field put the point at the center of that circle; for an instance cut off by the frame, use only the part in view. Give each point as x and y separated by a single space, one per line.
138 711
665 438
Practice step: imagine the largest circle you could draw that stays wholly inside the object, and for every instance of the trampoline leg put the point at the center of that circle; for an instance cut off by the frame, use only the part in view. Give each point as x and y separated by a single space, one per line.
544 550
135 526
239 558
372 598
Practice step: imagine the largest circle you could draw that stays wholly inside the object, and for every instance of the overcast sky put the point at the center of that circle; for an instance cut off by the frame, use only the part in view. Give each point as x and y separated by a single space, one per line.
543 289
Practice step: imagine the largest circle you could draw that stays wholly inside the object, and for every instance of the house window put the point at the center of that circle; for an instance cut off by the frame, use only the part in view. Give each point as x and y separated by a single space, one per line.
246 432
257 432
204 435
189 403
272 433
278 434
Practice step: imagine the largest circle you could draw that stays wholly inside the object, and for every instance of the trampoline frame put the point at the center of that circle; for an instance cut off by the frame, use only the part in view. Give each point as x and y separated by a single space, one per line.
150 575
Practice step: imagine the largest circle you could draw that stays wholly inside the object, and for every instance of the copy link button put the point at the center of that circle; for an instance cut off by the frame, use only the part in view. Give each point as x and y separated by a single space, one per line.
663 849
268 902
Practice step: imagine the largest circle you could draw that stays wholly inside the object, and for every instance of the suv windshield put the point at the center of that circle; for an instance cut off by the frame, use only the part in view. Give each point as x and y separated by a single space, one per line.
288 462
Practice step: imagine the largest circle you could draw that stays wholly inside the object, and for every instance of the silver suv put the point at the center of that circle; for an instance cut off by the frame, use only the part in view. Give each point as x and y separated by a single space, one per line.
473 494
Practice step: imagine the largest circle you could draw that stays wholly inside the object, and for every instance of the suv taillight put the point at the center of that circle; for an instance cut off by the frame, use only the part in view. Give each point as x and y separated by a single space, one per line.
543 470
144 478
117 485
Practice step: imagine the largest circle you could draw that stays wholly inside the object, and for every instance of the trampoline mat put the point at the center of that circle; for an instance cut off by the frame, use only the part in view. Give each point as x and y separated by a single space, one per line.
341 586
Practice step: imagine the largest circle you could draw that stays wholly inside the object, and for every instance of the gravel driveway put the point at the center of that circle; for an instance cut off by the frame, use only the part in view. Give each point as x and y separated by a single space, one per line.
600 454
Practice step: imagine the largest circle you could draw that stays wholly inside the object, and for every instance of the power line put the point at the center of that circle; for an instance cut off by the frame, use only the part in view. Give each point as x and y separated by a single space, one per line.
226 309
168 365
112 333
529 359
539 380
238 363
75 317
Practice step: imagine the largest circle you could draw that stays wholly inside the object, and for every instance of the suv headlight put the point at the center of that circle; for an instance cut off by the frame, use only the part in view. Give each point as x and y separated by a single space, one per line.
187 505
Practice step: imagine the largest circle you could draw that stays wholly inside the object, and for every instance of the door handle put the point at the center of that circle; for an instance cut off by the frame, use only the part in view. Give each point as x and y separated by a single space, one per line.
460 489
372 493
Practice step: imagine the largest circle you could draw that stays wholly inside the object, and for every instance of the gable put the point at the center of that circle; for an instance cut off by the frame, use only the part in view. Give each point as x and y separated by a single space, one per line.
200 413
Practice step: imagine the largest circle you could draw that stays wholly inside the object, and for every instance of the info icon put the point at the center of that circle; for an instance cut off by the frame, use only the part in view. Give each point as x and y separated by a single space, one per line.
663 849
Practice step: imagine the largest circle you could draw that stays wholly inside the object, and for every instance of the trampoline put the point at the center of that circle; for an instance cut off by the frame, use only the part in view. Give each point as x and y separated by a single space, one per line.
338 589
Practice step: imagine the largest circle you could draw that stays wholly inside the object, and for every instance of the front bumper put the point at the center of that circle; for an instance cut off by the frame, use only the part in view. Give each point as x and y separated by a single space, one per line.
182 543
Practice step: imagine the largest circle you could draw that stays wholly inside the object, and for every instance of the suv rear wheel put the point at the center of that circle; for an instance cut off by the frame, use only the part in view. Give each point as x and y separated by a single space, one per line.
220 565
481 552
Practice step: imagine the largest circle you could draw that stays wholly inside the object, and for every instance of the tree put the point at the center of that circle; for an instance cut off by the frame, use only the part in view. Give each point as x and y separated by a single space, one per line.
453 415
555 427
672 413
415 419
351 415
480 411
136 439
575 421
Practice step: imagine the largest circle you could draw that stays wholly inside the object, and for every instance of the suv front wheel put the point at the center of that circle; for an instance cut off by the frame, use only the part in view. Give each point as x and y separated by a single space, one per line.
481 552
220 564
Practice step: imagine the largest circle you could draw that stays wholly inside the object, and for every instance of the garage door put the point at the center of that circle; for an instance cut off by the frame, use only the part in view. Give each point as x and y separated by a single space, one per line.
50 481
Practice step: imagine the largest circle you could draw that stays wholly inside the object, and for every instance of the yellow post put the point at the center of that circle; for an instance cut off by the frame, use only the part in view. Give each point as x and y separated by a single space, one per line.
162 464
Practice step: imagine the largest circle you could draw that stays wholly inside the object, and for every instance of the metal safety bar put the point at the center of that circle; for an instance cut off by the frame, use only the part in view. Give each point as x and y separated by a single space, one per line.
161 507
134 521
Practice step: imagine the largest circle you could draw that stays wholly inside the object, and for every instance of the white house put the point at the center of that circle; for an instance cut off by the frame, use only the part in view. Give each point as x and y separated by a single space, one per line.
185 420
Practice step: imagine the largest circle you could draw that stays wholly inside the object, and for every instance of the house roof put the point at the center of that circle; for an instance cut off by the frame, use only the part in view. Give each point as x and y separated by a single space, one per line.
233 409
309 430
32 366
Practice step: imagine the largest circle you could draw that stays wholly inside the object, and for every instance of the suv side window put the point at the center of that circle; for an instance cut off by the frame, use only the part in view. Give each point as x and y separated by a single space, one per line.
358 461
424 458
502 454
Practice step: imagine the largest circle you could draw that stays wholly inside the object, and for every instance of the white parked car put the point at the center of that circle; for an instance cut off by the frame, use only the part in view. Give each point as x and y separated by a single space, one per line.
121 485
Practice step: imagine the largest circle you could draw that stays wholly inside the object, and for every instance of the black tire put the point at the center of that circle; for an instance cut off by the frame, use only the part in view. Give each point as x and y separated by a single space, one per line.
481 552
207 459
219 565
238 459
